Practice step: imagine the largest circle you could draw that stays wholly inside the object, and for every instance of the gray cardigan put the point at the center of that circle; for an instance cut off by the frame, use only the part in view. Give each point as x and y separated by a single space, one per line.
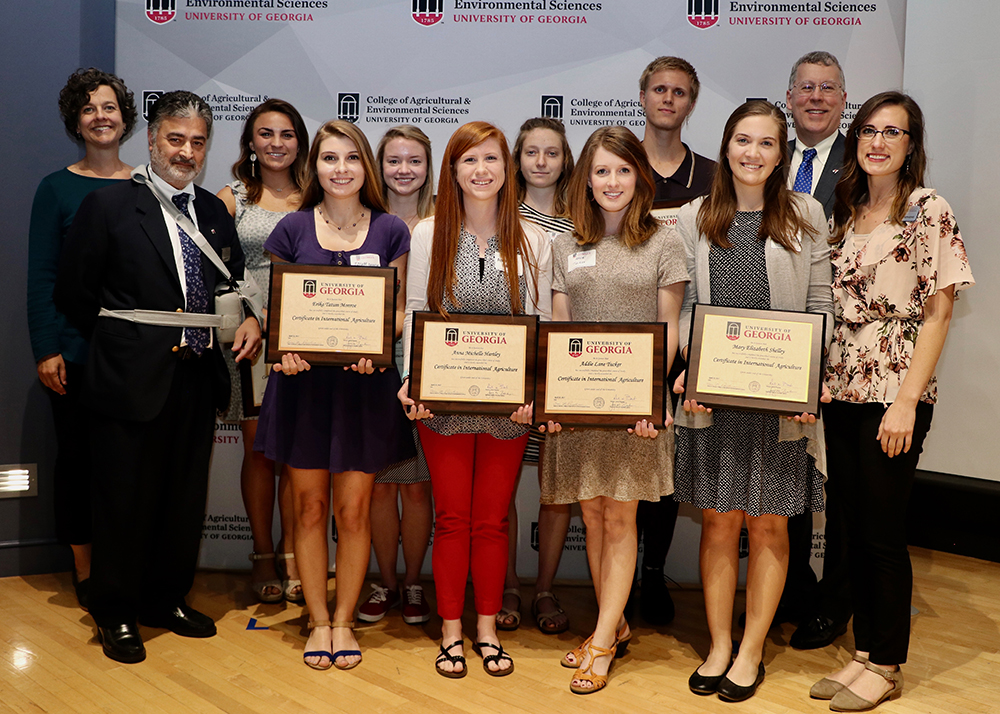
798 281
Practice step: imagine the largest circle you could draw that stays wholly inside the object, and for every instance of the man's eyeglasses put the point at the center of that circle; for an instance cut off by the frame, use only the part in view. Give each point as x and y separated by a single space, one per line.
827 89
891 134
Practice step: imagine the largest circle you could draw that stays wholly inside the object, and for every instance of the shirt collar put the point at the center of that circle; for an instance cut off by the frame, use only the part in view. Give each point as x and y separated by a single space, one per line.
822 148
684 175
166 188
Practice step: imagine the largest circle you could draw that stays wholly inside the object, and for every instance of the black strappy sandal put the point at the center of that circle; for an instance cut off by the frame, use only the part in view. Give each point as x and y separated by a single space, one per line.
497 657
446 656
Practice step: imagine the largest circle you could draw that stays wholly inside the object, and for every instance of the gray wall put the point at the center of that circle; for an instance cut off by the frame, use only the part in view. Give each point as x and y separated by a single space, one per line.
41 43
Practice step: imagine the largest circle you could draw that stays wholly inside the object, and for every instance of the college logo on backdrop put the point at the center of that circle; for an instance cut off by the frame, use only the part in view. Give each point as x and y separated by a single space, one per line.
703 13
309 288
149 99
349 106
427 12
552 106
733 330
451 336
161 11
575 346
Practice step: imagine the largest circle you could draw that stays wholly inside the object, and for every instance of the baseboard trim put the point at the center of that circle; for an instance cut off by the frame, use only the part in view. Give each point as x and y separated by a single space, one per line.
955 514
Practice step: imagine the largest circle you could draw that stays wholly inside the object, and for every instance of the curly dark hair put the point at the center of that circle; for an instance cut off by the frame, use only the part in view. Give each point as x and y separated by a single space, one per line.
75 95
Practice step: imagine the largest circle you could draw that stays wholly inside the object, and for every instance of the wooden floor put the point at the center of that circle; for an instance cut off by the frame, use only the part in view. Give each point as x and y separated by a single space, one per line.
50 661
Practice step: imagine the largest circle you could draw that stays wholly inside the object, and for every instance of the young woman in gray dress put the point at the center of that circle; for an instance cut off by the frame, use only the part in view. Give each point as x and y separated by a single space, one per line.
618 265
402 515
270 173
750 243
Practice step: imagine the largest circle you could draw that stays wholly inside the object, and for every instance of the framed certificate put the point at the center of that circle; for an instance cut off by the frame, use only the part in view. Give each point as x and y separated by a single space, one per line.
253 382
332 315
761 360
473 364
600 373
666 211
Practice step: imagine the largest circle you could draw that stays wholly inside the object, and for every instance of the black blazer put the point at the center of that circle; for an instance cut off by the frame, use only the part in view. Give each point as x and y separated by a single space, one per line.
824 192
118 255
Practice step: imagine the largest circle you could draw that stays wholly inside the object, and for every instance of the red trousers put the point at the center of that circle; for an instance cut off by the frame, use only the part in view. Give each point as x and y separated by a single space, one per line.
473 478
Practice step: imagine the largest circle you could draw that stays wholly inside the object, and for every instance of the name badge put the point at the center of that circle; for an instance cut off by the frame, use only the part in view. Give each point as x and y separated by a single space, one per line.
369 260
911 214
583 259
498 264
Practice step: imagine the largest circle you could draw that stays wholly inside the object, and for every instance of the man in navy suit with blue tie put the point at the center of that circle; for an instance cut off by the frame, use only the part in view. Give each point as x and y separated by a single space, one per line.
152 389
817 95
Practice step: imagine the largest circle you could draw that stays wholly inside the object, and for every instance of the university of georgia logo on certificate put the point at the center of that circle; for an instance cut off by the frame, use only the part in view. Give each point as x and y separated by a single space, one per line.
703 13
575 346
161 11
552 106
309 288
733 330
451 336
427 12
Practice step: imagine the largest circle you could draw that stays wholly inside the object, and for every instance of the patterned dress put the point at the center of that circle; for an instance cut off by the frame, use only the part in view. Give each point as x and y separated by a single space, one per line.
738 464
620 285
253 225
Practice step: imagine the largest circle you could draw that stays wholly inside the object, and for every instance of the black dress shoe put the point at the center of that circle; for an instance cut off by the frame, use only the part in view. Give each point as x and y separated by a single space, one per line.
82 588
181 620
700 684
122 643
655 604
816 632
729 692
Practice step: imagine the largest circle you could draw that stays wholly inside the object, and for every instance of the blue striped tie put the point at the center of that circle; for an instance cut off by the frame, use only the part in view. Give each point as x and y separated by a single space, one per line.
804 178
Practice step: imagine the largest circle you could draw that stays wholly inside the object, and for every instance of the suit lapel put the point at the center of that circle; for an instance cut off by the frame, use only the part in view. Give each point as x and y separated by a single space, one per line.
152 222
831 172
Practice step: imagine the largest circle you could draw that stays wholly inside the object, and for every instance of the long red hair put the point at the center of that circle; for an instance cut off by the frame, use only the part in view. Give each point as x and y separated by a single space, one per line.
449 214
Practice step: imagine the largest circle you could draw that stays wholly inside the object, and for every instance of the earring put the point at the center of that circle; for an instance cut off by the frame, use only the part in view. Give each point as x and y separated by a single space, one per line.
906 165
253 164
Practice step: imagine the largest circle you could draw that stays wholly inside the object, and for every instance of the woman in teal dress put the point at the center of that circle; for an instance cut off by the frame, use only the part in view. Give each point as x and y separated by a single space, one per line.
99 113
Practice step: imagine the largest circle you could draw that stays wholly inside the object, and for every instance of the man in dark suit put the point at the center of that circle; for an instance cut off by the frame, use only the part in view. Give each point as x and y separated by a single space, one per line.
152 389
817 95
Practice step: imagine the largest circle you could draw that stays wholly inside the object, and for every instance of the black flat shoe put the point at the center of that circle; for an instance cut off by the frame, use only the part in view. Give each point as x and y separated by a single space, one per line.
817 632
122 643
702 685
82 588
181 620
729 692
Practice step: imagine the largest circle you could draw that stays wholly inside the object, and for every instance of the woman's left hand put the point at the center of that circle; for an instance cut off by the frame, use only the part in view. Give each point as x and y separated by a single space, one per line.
896 429
644 429
524 415
364 366
808 418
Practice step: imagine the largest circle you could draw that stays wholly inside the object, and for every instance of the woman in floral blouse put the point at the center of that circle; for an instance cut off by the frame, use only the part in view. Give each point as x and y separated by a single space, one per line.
898 262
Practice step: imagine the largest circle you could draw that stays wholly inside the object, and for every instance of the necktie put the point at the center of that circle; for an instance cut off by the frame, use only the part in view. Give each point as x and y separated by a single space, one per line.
194 281
804 178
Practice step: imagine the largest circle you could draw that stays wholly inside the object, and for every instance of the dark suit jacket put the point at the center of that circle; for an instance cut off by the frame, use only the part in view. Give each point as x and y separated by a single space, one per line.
824 192
118 255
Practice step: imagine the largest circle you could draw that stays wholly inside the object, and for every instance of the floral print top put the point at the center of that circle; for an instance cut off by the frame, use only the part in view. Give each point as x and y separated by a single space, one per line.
879 291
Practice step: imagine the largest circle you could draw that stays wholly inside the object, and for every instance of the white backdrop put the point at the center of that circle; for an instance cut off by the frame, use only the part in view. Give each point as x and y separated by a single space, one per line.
381 63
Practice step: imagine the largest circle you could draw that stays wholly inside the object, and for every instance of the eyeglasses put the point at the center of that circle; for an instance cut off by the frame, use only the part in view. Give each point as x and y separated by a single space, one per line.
827 89
891 134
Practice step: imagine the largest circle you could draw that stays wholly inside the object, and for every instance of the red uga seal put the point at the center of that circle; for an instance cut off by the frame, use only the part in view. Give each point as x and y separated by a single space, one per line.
161 11
733 330
427 12
451 336
575 347
309 288
703 13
